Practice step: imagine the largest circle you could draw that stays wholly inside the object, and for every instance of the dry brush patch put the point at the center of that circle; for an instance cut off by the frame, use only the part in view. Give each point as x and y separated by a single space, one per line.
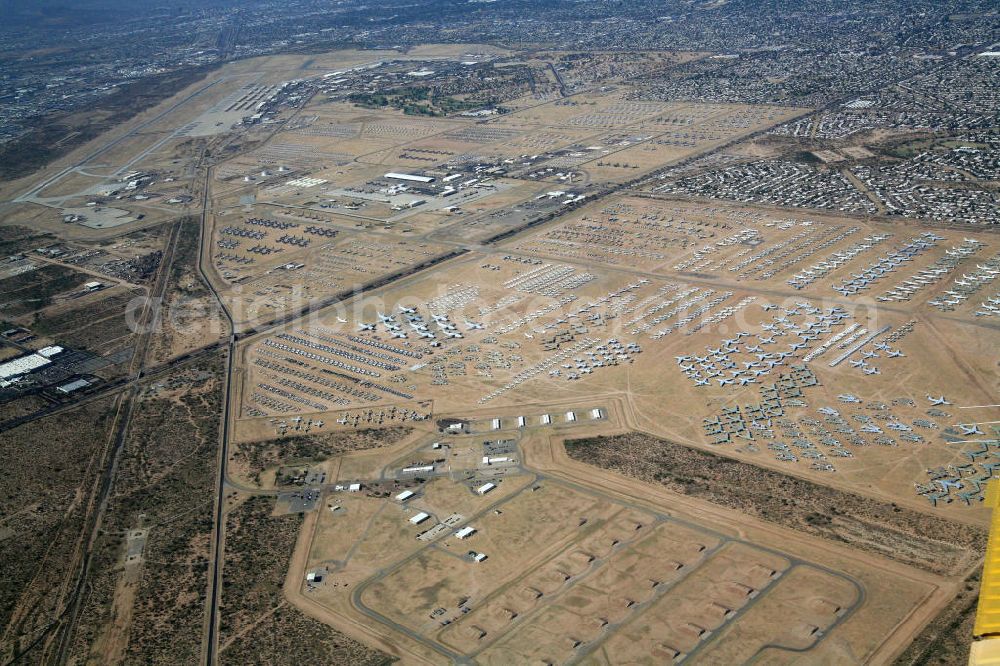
286 637
165 482
23 406
27 292
48 476
256 624
190 317
60 133
252 458
168 475
948 637
93 326
16 238
258 549
928 542
97 612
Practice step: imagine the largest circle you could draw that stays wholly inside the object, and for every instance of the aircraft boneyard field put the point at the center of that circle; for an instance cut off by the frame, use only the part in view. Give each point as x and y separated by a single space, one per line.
483 281
845 391
497 284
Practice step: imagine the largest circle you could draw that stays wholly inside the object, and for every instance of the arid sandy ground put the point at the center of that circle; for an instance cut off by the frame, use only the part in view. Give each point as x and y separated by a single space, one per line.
790 418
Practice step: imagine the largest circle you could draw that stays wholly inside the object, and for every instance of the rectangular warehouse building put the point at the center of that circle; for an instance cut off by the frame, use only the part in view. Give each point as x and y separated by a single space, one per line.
409 177
22 365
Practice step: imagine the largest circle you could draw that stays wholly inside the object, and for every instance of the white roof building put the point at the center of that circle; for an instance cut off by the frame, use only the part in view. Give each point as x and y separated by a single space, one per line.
465 532
419 518
405 495
409 177
22 365
74 385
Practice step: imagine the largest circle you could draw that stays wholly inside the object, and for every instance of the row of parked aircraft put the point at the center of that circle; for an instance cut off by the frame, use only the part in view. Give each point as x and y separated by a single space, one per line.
718 365
991 306
933 273
418 325
962 289
886 264
835 261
